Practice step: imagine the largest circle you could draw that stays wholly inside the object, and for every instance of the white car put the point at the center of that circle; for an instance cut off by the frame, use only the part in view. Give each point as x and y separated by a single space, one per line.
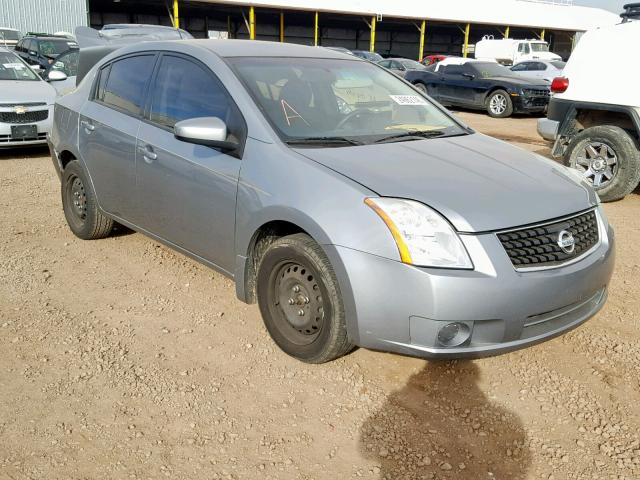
594 114
542 69
26 103
9 37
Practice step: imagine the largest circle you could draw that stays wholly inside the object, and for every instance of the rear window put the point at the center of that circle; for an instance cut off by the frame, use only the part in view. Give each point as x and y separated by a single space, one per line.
124 87
558 64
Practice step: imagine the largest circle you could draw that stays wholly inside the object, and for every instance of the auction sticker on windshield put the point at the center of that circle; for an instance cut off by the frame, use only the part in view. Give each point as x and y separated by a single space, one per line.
408 100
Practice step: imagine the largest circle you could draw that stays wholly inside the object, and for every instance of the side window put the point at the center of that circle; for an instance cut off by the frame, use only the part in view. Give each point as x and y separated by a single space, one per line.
27 45
519 67
453 69
124 88
385 64
34 45
102 81
183 89
18 47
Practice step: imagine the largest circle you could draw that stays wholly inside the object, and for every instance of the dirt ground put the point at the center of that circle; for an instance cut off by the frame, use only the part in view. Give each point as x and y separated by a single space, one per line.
122 359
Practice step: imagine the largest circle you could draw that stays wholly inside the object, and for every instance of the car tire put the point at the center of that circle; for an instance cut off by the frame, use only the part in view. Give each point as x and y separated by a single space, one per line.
499 104
300 301
80 207
421 87
609 159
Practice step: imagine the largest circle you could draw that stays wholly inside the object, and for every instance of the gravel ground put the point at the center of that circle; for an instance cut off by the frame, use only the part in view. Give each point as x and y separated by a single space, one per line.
122 359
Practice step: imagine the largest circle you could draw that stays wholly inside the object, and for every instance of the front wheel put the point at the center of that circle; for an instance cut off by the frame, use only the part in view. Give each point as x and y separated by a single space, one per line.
499 104
608 158
300 300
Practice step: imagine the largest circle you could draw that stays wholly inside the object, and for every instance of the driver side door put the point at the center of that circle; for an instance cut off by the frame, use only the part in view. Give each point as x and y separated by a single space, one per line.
187 192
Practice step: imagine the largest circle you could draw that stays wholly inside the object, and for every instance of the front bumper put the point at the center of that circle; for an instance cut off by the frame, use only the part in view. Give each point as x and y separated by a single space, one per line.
525 104
43 127
396 307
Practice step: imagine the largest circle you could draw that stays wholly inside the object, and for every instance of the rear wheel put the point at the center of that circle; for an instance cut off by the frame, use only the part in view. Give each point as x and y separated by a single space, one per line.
608 158
79 204
300 300
421 86
499 104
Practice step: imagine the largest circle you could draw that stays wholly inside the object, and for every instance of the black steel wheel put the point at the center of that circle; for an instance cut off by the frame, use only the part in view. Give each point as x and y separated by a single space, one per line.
300 302
80 207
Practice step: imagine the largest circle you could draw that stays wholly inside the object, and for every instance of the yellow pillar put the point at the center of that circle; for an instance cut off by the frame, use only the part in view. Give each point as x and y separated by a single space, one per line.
176 17
542 34
252 23
372 41
506 32
315 32
466 39
423 27
281 27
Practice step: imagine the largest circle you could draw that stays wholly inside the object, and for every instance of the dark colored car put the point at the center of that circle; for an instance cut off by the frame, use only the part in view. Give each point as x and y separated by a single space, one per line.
400 66
483 86
42 51
370 56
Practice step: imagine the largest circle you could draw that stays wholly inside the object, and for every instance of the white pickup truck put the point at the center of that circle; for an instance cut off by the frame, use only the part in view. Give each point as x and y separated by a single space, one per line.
509 51
594 113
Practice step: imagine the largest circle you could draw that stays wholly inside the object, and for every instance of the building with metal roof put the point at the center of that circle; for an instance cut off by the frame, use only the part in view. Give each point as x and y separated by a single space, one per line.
405 28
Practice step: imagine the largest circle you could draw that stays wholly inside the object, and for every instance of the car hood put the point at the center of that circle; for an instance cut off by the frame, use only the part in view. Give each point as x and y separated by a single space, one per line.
478 183
520 81
26 91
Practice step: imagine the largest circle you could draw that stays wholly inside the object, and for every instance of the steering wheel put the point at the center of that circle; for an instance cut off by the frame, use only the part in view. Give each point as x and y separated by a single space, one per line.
357 113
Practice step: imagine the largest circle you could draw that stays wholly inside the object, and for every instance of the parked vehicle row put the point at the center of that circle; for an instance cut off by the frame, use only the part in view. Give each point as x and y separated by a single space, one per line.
352 208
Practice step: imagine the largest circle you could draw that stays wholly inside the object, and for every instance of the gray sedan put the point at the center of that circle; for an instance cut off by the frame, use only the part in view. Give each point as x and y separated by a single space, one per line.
354 210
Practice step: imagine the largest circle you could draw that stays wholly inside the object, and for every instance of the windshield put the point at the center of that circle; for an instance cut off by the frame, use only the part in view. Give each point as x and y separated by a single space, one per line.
55 47
539 47
320 98
67 63
12 68
490 70
9 35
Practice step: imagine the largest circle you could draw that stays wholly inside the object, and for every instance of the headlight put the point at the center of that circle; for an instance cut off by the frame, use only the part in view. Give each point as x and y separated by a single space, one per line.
423 236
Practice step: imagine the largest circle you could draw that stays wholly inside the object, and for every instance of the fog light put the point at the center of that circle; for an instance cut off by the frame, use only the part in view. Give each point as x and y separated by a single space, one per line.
454 334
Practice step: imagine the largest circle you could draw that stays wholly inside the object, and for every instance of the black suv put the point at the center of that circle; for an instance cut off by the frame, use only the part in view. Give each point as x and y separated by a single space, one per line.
42 50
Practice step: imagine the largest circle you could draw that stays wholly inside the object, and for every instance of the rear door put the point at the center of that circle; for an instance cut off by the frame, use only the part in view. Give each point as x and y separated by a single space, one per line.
188 191
109 122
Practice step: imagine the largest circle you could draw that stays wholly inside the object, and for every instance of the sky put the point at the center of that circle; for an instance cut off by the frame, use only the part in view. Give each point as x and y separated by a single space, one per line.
614 5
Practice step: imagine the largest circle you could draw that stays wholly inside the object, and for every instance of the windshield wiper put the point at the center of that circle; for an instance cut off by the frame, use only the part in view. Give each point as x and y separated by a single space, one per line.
415 134
322 141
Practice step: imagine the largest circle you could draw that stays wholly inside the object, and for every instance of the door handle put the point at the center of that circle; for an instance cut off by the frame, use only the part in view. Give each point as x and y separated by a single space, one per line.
88 126
147 153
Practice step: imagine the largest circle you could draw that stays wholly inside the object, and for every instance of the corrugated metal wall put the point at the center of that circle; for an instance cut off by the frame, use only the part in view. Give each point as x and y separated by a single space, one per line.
47 16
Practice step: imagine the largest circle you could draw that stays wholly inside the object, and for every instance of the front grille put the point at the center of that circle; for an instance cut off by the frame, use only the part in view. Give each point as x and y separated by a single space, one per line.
8 139
25 104
536 92
27 117
538 246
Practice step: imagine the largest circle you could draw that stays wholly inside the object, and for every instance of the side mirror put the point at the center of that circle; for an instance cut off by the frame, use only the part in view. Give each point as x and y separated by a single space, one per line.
56 76
209 131
469 76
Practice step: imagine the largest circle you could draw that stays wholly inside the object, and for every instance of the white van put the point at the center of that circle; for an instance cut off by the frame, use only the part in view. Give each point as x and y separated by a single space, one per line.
594 114
509 51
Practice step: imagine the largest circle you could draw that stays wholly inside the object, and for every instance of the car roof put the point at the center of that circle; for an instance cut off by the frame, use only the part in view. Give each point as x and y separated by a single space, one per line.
244 48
